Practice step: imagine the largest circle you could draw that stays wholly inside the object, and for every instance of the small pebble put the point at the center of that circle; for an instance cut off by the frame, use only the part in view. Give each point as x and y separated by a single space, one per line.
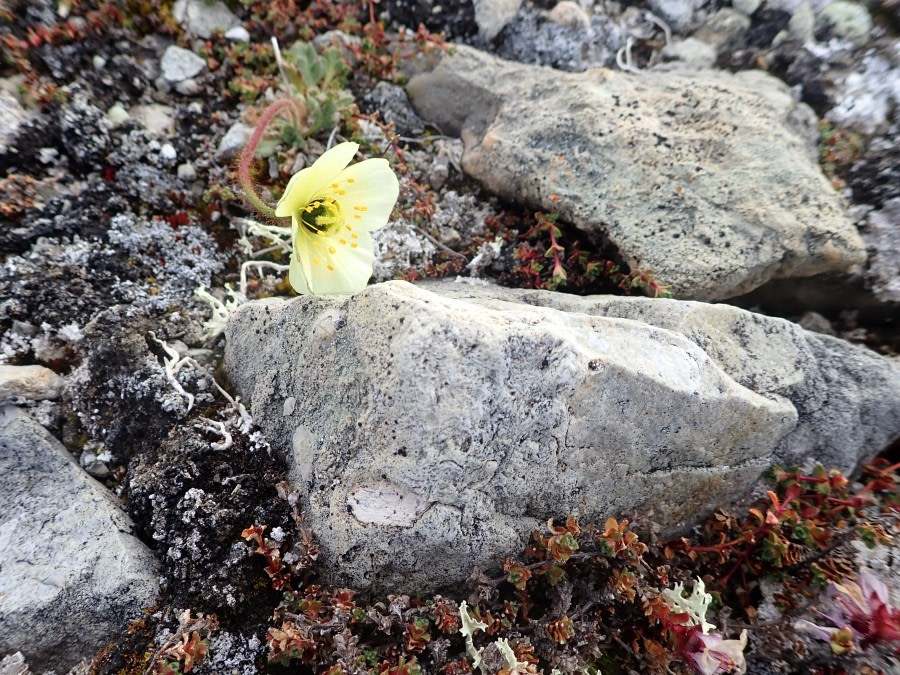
234 140
178 64
237 34
167 152
747 7
117 114
36 383
188 87
187 172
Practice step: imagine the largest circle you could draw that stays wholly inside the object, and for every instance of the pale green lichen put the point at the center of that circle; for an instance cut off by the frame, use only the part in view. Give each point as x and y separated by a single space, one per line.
467 630
696 604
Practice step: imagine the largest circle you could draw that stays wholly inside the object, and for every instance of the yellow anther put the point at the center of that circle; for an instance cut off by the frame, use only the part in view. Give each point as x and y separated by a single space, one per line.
355 236
354 245
320 233
357 216
315 244
349 229
343 241
334 185
317 204
315 261
351 180
342 192
331 268
332 250
309 209
360 208
329 199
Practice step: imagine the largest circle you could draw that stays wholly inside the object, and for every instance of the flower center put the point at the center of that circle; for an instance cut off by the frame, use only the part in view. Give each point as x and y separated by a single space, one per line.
321 216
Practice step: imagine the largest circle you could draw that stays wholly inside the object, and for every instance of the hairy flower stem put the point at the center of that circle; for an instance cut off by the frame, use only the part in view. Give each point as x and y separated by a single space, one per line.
250 150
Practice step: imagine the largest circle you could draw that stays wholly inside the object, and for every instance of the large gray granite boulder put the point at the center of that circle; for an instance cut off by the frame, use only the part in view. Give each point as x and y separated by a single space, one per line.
429 433
846 397
71 572
705 178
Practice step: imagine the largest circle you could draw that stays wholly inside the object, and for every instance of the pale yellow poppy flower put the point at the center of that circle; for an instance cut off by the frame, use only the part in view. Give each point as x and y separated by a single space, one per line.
333 208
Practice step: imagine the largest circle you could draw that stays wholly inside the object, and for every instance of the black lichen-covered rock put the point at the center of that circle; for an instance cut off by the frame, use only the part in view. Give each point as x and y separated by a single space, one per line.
191 501
455 19
875 178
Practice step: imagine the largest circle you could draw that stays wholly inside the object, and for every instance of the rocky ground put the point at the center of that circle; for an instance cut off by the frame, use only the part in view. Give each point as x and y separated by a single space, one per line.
206 475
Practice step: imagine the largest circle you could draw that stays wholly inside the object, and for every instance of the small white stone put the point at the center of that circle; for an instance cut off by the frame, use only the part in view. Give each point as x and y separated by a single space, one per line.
569 14
188 87
98 61
158 119
289 403
237 34
117 114
203 18
167 152
186 172
747 7
180 64
691 51
36 383
234 139
47 155
848 20
802 23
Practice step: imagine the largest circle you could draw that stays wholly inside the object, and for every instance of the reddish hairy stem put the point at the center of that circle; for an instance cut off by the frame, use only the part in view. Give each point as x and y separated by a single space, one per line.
248 152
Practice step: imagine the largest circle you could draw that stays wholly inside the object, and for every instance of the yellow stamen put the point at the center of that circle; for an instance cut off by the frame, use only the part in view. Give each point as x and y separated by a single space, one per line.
355 236
357 216
344 241
331 268
360 208
354 245
342 192
329 199
315 261
309 209
334 185
332 250
315 244
351 180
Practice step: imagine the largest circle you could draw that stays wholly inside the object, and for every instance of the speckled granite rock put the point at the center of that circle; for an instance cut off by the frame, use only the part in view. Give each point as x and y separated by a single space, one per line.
707 179
72 573
430 434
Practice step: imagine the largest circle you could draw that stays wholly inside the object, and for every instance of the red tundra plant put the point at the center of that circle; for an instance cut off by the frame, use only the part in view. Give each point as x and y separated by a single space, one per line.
860 614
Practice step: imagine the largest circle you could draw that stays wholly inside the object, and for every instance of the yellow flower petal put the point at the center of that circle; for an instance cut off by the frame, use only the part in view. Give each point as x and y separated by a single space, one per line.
371 190
346 270
297 277
295 195
311 180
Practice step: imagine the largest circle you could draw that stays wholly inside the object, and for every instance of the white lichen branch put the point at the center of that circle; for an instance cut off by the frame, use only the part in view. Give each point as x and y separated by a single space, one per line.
626 63
217 428
260 264
215 325
467 629
172 365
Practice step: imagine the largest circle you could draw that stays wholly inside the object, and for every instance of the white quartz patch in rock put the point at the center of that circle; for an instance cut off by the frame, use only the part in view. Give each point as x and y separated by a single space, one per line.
386 504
